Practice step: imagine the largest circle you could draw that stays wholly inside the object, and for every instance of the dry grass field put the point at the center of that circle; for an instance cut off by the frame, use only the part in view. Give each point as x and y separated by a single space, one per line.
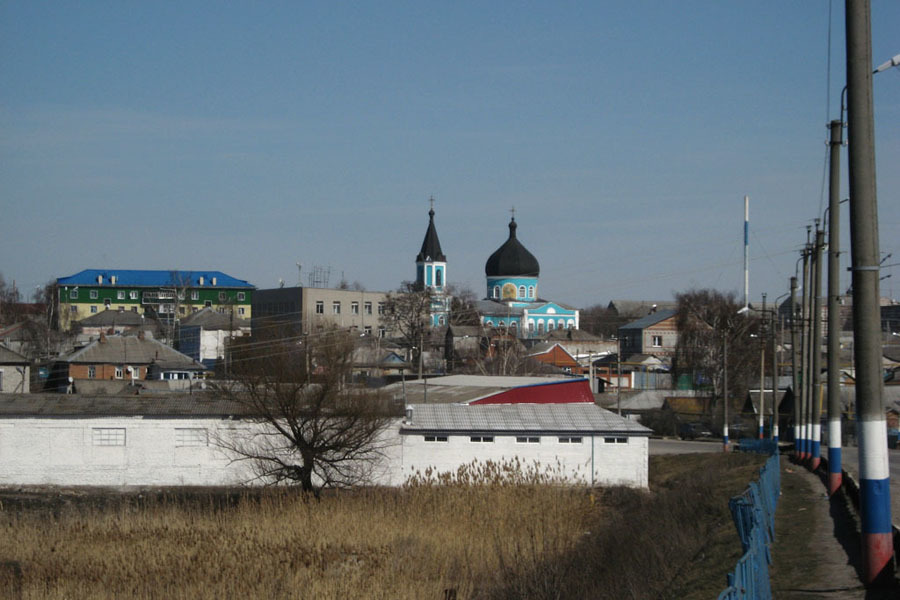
485 534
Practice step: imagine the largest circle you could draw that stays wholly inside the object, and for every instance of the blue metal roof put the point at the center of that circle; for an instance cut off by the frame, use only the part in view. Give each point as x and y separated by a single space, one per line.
138 278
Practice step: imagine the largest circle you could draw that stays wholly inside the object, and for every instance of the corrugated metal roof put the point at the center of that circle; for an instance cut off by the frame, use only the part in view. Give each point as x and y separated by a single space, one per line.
651 319
140 278
580 418
465 388
9 357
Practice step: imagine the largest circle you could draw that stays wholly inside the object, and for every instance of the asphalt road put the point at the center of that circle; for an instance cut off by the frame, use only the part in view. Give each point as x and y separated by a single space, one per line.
668 446
850 463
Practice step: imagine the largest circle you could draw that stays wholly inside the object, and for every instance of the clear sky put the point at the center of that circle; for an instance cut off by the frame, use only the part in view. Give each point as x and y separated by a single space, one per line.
249 136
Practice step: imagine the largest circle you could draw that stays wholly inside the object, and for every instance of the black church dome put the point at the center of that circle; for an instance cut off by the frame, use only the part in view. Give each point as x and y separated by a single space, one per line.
512 259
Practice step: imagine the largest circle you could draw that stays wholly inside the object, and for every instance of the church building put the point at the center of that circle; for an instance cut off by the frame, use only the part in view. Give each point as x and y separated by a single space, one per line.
431 273
512 303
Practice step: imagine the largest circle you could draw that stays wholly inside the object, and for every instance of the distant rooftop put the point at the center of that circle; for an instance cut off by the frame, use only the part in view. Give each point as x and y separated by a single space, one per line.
137 278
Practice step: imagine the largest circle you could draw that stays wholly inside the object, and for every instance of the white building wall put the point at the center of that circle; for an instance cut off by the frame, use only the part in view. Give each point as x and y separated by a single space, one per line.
611 463
65 451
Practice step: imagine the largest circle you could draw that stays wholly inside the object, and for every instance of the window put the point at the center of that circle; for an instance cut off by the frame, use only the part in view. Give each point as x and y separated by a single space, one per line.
134 309
119 371
615 440
656 341
221 296
320 307
122 309
93 308
367 308
92 372
435 438
241 311
195 295
336 307
132 295
381 308
540 327
481 438
73 295
521 291
496 293
194 436
73 309
120 295
241 296
438 277
549 326
528 440
531 291
108 436
207 303
381 332
95 294
367 330
570 440
442 320
107 302
354 308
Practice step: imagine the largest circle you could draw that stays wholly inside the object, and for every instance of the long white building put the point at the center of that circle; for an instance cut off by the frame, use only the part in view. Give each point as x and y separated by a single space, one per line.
138 441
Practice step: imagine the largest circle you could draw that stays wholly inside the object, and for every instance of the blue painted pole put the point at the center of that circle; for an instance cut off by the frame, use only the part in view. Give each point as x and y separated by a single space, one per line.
816 321
835 468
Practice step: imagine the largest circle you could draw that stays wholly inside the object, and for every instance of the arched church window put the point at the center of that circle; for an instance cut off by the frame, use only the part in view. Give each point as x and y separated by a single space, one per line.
549 326
496 291
439 278
531 325
531 291
488 324
521 291
561 324
513 328
540 327
571 324
441 321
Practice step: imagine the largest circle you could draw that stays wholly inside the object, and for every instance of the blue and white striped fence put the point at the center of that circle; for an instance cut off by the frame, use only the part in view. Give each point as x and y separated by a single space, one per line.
754 516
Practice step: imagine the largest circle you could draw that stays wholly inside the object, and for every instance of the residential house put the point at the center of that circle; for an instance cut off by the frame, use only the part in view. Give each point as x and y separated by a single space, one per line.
121 360
553 353
654 334
204 335
15 372
168 295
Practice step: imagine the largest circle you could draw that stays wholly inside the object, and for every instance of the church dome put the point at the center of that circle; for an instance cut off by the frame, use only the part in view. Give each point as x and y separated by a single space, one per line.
512 259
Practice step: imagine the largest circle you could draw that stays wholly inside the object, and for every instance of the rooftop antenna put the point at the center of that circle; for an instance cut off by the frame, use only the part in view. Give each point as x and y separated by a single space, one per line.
299 274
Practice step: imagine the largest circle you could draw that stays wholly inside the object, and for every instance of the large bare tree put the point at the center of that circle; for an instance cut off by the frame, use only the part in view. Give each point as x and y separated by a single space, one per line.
408 313
309 427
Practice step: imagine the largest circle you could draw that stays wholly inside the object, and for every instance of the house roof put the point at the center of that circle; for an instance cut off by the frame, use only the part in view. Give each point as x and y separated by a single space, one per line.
465 330
140 278
637 308
571 335
8 357
108 318
75 405
650 320
466 388
573 418
212 320
431 246
131 350
494 308
512 258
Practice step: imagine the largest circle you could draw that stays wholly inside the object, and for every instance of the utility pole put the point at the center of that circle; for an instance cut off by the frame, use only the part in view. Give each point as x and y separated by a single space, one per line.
804 355
834 321
816 354
775 403
725 392
762 370
875 491
795 376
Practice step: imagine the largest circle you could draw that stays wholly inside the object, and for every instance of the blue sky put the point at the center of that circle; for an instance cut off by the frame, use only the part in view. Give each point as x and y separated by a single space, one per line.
247 137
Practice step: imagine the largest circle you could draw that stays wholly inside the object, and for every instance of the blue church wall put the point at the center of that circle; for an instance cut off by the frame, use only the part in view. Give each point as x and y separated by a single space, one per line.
523 289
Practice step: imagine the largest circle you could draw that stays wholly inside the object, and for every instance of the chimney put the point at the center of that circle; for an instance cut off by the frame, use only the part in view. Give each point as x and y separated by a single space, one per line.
409 415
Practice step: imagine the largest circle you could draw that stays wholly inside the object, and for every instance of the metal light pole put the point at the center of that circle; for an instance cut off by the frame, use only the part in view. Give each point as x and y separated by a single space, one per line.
875 492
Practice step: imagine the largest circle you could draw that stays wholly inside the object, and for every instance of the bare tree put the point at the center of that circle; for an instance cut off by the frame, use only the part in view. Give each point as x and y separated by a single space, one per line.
10 309
308 427
707 320
462 306
408 312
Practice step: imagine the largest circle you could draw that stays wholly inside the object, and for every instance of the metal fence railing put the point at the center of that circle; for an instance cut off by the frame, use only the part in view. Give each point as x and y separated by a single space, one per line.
754 516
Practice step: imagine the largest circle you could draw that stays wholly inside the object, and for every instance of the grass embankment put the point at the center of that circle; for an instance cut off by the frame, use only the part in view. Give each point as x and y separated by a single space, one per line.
454 541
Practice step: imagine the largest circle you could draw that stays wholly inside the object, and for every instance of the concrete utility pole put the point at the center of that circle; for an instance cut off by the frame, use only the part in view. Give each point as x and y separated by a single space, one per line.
804 356
775 403
762 371
795 375
834 317
875 492
816 354
725 391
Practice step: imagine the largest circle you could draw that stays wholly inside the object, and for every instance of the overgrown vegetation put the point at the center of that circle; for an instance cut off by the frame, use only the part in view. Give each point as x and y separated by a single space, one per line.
473 536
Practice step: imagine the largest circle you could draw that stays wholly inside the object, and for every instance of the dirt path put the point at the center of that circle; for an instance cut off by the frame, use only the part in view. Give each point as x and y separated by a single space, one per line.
817 545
